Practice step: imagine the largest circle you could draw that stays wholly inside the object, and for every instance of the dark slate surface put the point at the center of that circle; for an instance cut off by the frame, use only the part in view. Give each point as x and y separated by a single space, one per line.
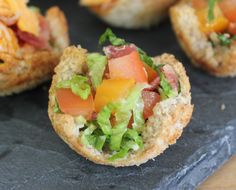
33 157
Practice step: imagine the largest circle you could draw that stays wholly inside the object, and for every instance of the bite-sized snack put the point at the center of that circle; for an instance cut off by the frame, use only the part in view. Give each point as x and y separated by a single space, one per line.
122 108
30 45
206 29
129 13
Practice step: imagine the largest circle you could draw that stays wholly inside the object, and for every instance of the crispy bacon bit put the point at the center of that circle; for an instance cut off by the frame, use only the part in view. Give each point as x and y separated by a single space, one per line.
41 41
94 116
154 84
116 52
150 99
171 76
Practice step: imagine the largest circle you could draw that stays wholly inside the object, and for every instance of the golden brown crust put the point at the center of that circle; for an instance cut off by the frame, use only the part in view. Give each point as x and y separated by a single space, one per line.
163 128
218 61
27 70
133 13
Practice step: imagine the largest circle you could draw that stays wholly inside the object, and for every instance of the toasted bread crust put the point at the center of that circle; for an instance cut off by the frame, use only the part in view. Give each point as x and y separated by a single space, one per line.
133 14
21 72
163 128
218 61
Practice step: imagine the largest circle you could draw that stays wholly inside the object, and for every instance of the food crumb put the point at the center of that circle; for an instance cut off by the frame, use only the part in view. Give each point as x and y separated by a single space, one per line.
222 107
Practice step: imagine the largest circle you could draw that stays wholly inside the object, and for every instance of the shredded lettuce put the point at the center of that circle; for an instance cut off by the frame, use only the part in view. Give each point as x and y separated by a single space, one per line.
87 138
132 134
103 118
35 9
96 65
78 84
108 35
118 137
139 121
166 91
211 6
100 141
127 145
56 108
122 121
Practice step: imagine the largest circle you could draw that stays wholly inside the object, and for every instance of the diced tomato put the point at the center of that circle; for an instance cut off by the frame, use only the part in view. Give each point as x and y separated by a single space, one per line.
112 90
199 4
219 24
152 74
150 99
71 104
128 67
232 28
120 51
171 76
228 7
131 121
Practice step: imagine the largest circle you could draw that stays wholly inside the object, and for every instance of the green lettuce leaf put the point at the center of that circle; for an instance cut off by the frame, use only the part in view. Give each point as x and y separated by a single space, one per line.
130 102
87 138
96 65
108 35
139 121
132 134
211 5
122 121
100 141
103 118
56 108
78 84
165 90
127 145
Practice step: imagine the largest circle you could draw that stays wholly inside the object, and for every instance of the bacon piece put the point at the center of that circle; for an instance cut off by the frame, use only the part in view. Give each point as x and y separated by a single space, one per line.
150 99
116 52
41 41
171 76
9 21
154 84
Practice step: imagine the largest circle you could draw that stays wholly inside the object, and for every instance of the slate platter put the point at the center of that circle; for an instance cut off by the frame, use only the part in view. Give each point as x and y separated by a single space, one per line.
33 157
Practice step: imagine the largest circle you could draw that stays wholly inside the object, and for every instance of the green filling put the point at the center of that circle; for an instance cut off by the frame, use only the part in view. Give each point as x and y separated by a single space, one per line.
96 65
56 108
118 137
211 5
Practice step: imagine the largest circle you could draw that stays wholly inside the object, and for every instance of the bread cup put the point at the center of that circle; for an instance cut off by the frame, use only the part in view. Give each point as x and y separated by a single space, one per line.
208 44
131 14
31 45
161 127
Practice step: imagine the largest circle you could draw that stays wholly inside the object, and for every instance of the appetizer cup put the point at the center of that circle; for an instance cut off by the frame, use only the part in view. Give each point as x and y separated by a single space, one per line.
207 32
30 45
131 14
122 108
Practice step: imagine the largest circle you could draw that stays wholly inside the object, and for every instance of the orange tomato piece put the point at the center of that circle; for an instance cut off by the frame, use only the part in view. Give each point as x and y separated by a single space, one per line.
232 28
28 20
219 24
112 90
150 99
228 8
128 67
152 74
199 4
73 105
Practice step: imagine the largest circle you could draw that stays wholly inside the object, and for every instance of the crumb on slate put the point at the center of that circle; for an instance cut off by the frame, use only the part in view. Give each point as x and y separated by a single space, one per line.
222 107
